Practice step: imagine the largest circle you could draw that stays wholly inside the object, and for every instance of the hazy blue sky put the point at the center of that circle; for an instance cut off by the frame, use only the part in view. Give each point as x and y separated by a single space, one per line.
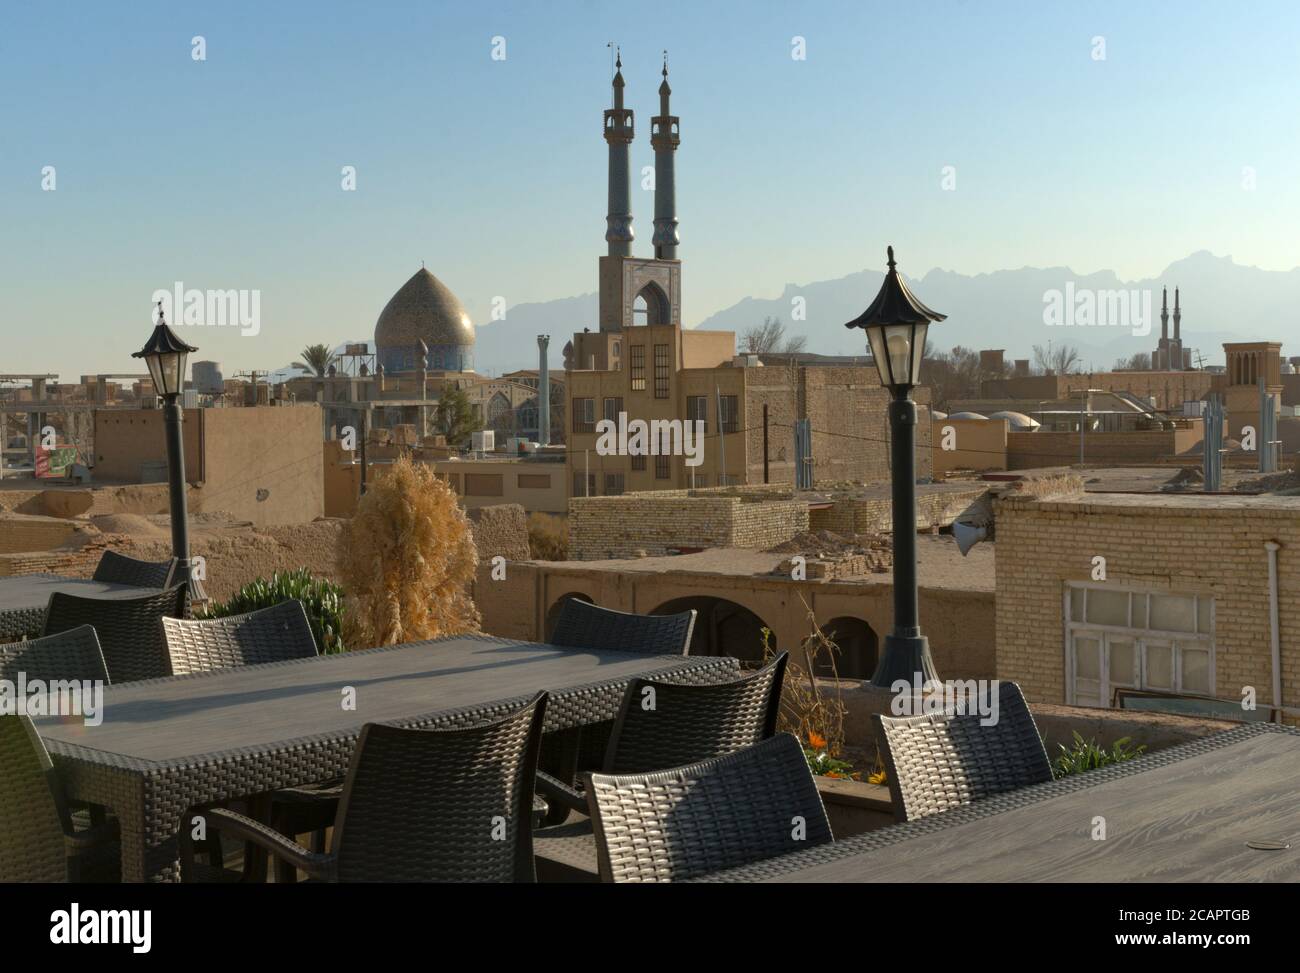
226 173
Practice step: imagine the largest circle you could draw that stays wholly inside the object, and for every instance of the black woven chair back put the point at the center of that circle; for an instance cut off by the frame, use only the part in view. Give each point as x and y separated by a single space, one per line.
129 629
441 805
32 817
120 569
276 634
582 625
940 761
663 724
71 655
677 824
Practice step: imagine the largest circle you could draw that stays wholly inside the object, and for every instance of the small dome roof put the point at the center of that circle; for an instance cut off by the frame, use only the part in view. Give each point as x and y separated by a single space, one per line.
967 415
1018 420
937 414
424 309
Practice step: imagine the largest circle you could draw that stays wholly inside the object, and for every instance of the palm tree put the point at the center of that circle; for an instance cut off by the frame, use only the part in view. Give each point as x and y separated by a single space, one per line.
317 358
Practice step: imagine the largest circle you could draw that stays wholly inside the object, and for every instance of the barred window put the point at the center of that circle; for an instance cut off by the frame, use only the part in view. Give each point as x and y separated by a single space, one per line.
661 371
613 484
613 406
638 461
584 415
697 409
729 413
584 486
661 467
636 365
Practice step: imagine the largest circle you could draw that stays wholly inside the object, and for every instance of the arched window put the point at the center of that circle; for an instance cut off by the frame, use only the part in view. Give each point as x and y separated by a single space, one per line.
650 306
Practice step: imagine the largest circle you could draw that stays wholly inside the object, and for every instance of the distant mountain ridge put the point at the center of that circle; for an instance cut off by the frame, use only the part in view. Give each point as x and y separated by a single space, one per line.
1221 301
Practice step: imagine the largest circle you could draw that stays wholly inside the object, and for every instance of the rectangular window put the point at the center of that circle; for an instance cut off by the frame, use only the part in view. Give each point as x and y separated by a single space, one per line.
484 485
613 406
636 365
584 415
697 408
1119 638
638 461
661 371
534 481
661 468
584 486
728 479
729 413
613 484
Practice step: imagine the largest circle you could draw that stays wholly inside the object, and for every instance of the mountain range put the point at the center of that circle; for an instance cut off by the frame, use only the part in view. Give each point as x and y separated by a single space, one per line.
1221 301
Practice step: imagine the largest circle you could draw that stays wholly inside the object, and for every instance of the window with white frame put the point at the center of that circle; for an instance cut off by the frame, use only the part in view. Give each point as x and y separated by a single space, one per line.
1123 638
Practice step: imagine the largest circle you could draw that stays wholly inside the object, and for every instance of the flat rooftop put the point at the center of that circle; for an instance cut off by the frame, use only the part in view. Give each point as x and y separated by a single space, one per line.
939 565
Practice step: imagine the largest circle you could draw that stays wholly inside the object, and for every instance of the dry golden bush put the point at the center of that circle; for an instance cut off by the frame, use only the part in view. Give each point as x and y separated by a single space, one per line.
548 537
406 560
807 710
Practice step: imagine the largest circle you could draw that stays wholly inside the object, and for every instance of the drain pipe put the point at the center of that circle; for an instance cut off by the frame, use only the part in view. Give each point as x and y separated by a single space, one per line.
1275 640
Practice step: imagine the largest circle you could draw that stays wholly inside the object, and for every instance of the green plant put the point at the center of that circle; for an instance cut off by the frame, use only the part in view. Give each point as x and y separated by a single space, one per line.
821 763
318 358
1086 755
454 417
322 599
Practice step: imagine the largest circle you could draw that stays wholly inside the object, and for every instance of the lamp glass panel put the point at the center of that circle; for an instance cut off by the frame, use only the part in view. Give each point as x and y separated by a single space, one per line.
154 373
876 338
171 366
898 345
918 350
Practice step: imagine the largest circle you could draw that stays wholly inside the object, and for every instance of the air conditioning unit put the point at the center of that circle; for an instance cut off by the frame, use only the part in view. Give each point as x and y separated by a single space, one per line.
483 441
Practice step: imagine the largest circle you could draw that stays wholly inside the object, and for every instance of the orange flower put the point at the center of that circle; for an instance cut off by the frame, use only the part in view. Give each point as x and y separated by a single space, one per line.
815 740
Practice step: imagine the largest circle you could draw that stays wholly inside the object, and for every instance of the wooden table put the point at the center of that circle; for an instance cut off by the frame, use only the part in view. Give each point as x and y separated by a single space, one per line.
166 745
23 599
1179 815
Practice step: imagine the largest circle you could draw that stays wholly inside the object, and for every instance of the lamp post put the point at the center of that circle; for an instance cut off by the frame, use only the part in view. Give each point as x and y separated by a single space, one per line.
165 355
896 324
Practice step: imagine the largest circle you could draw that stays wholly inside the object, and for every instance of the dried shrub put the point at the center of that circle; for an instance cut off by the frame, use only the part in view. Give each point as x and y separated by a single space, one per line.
406 560
548 538
807 711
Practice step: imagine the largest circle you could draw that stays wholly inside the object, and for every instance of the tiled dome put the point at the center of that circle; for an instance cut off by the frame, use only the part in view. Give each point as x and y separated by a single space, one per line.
424 310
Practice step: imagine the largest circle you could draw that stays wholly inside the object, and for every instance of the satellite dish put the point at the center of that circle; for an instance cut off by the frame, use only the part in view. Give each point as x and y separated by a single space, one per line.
967 536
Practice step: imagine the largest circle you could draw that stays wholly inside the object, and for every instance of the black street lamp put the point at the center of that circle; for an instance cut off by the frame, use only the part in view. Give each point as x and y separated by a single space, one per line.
165 355
896 324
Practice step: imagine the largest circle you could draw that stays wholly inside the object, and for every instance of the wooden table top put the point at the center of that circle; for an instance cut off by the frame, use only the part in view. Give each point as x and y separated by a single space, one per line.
1178 815
27 591
256 706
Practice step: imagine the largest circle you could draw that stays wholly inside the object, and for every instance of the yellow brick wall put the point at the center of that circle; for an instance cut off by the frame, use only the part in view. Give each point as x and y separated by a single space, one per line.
1160 544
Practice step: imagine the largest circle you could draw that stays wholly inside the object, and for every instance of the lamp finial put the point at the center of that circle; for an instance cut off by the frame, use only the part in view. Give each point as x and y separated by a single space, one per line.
890 251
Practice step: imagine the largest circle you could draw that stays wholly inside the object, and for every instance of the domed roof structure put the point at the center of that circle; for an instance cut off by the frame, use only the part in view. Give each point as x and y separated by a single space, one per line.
424 310
1018 420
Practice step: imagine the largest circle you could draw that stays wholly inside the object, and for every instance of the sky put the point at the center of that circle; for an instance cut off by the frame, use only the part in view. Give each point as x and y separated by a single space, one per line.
226 173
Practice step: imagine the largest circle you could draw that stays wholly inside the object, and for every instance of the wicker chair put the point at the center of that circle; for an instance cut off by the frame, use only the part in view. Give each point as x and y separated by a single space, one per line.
419 806
684 725
275 634
673 825
72 655
941 761
120 569
582 625
129 629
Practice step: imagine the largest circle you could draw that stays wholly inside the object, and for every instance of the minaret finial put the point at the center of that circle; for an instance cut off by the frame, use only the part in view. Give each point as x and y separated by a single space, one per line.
890 251
665 64
618 57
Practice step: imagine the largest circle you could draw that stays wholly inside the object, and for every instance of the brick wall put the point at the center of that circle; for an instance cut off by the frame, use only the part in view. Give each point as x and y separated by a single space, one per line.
1032 450
657 521
1190 545
936 505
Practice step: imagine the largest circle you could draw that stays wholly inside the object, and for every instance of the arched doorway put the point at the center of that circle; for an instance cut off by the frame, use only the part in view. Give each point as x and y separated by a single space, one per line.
650 306
722 627
858 648
553 614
